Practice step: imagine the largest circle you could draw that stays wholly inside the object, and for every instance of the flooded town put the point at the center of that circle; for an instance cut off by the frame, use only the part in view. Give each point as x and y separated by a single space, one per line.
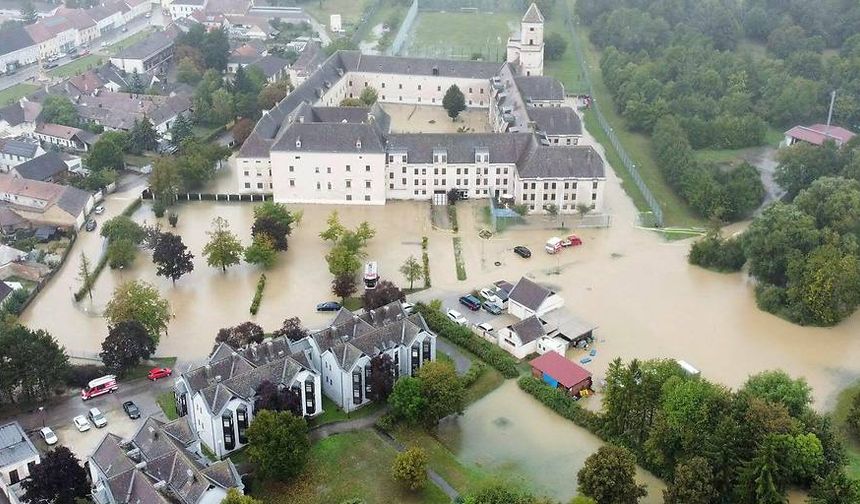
422 251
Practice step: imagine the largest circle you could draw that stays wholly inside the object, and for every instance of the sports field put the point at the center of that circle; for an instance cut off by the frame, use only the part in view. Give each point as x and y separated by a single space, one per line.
459 34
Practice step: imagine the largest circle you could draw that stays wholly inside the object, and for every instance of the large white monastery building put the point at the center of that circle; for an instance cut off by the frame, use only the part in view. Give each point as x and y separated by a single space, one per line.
307 149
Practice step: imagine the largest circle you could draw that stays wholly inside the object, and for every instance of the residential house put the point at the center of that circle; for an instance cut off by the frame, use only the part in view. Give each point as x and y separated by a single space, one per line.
19 118
151 54
14 151
109 16
817 134
49 167
54 35
244 55
183 8
80 20
212 20
118 111
311 56
229 7
96 80
557 371
65 137
161 464
273 67
249 27
528 298
45 203
521 338
17 48
18 456
11 222
137 8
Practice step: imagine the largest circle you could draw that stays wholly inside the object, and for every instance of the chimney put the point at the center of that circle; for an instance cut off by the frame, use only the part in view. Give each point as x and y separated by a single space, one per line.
218 379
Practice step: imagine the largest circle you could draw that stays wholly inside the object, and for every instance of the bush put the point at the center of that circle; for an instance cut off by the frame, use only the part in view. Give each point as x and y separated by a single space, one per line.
463 337
770 298
475 371
425 259
80 375
853 419
258 295
716 253
558 401
15 302
386 422
410 467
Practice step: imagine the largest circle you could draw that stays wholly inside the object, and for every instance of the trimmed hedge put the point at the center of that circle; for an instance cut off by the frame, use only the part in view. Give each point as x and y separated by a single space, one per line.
558 401
425 259
258 296
475 371
464 337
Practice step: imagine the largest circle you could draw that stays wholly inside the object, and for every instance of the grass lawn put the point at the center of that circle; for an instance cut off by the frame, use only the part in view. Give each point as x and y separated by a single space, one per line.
840 413
459 34
142 369
347 466
566 69
772 138
331 413
122 44
168 405
16 92
489 381
349 10
365 33
77 66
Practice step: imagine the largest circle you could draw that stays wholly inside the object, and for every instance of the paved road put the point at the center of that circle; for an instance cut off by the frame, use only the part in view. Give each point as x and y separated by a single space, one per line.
461 362
324 431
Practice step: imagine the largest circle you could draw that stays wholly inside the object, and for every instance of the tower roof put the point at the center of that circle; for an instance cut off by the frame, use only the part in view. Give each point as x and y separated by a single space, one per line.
533 15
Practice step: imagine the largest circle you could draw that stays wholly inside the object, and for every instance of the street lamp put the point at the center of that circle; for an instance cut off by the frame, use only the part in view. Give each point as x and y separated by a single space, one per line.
42 414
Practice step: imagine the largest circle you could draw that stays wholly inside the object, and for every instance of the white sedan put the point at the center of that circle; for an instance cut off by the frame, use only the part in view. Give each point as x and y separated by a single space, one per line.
457 318
48 435
81 423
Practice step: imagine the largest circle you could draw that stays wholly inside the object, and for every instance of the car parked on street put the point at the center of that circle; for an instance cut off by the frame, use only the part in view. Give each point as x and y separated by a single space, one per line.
328 306
91 225
99 210
470 302
522 251
492 308
484 327
490 295
97 417
81 423
131 409
457 317
48 435
571 241
159 372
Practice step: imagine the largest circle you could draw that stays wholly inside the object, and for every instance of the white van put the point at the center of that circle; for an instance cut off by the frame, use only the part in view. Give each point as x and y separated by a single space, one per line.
553 245
688 368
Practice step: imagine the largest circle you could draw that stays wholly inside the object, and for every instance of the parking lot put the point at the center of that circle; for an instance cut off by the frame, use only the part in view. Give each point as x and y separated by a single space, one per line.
451 301
59 416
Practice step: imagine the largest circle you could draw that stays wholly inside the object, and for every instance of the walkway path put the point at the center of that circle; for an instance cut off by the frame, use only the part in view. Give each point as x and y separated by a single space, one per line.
461 362
433 475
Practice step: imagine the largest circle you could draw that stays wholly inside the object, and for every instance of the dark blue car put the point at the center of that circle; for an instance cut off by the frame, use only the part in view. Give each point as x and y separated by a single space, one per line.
471 302
328 306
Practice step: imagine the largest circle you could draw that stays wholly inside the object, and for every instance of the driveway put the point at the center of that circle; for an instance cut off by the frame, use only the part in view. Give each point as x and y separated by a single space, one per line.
58 416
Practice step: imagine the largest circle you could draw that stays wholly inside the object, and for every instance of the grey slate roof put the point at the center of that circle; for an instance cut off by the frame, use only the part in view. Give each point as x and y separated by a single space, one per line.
14 39
556 120
15 446
5 290
461 147
563 162
529 294
111 457
73 200
19 147
540 87
43 168
12 114
426 66
528 329
152 44
330 137
533 15
271 65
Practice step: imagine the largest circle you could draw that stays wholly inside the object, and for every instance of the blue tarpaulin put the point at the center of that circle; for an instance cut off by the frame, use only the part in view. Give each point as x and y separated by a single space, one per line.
550 380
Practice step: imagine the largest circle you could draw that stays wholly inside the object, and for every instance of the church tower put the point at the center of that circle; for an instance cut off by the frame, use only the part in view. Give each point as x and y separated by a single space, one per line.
527 50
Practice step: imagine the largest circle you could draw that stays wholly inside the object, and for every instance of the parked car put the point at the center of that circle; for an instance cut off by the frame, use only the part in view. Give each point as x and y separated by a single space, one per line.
409 308
99 210
484 327
457 317
91 225
328 306
159 372
97 417
523 252
81 423
131 409
490 295
49 65
553 245
471 302
492 308
571 241
48 435
148 15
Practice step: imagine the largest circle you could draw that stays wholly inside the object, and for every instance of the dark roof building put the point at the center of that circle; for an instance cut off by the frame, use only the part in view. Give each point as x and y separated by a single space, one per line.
538 88
556 121
14 39
529 294
46 168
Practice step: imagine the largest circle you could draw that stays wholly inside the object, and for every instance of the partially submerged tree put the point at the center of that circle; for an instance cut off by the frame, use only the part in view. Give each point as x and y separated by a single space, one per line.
293 330
223 248
241 335
412 270
343 286
384 293
140 301
171 257
127 343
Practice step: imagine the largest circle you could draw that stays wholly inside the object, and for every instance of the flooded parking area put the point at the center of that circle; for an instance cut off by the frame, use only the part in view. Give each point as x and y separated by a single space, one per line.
511 432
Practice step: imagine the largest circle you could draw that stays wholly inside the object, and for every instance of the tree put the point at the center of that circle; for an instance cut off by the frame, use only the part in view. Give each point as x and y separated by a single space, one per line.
278 445
108 152
274 221
412 270
351 102
778 387
272 94
140 301
824 288
28 12
454 102
410 467
216 49
223 248
236 497
292 329
58 479
58 109
171 257
187 71
554 46
368 96
340 44
242 130
121 253
181 130
127 343
381 378
165 181
778 234
241 335
261 252
384 293
34 365
835 488
608 477
853 418
143 136
122 227
406 400
270 396
85 275
693 484
223 108
442 391
499 493
343 286
834 203
135 84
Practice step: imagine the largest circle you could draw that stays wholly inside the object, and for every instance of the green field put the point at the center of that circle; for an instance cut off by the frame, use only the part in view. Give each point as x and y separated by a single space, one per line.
567 68
349 10
15 93
459 35
347 466
77 66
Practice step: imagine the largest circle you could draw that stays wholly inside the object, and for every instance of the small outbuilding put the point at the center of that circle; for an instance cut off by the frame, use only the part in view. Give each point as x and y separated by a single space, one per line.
557 371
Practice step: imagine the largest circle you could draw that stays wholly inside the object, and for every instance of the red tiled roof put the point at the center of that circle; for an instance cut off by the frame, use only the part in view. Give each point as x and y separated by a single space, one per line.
818 133
564 371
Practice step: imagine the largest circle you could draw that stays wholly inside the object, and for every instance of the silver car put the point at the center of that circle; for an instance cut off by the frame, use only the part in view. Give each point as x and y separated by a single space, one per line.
48 435
81 423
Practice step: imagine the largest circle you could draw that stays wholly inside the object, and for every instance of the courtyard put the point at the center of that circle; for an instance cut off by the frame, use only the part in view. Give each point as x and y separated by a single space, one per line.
434 119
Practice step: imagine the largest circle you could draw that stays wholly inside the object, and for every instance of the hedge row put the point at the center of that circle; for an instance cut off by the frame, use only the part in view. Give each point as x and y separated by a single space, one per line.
425 259
558 401
258 295
475 371
464 337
